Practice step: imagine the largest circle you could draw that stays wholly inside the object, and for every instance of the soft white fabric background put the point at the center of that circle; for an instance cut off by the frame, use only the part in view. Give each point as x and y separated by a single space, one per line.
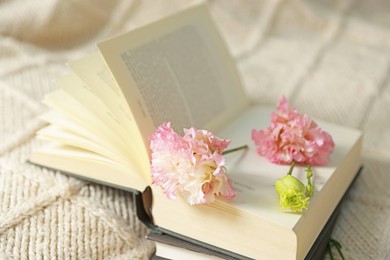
330 58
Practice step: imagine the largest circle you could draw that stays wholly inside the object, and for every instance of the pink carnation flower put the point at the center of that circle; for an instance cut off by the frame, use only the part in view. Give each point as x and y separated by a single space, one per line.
293 137
191 166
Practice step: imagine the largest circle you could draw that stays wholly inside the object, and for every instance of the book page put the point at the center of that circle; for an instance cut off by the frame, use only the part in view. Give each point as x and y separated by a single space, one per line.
177 69
92 70
71 136
91 125
101 116
87 165
254 176
98 80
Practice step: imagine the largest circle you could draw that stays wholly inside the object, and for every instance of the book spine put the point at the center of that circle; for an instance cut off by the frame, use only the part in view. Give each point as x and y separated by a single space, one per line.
143 203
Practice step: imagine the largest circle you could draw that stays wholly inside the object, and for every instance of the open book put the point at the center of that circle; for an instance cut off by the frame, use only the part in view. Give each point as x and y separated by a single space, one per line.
178 69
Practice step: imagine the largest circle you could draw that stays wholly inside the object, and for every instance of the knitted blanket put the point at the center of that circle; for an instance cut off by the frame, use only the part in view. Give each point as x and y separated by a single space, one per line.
331 59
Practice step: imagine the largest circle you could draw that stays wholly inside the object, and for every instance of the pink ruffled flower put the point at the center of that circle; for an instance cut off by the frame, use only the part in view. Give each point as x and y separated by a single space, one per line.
191 166
293 137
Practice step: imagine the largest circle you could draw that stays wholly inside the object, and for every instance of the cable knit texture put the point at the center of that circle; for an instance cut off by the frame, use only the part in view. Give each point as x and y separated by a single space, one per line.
331 59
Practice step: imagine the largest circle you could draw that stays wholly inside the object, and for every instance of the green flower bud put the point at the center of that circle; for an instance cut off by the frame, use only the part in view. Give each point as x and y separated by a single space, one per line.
292 193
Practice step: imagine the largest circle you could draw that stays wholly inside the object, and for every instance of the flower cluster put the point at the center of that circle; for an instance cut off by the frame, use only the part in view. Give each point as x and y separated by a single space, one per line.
293 137
190 166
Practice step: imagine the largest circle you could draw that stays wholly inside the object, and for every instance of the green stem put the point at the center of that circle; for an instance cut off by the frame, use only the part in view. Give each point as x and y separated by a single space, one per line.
309 185
292 165
235 149
330 252
338 247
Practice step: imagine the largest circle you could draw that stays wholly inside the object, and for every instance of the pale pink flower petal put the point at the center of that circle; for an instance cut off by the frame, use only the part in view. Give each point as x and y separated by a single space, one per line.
293 137
191 166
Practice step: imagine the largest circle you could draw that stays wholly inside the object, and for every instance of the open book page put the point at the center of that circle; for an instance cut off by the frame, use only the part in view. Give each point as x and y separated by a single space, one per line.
88 165
71 134
95 129
177 70
100 121
254 176
82 129
97 78
81 146
92 70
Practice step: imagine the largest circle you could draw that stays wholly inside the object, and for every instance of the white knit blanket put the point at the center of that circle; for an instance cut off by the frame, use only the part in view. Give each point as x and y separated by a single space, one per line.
330 58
